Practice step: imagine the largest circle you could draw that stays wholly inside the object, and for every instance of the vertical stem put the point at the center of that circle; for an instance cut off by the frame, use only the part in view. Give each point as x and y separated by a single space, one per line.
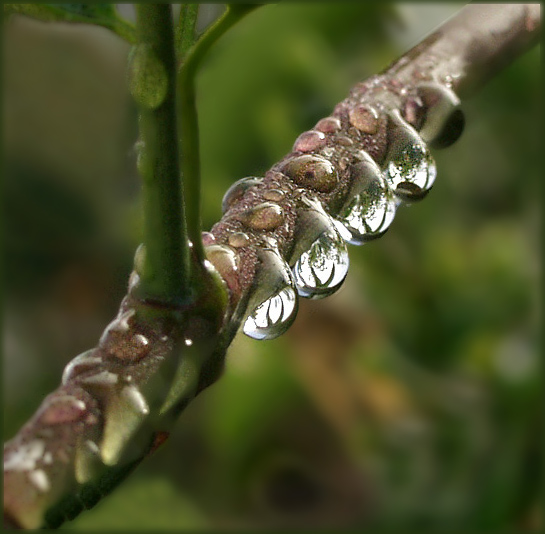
188 122
185 31
164 275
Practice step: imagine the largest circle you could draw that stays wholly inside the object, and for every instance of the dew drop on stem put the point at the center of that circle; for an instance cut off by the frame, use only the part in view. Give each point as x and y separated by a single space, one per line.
319 257
236 191
328 125
408 161
309 141
443 121
312 172
273 302
371 206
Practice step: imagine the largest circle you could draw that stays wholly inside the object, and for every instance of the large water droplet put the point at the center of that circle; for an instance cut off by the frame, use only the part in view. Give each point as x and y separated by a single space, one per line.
322 270
328 125
274 301
237 190
309 141
265 216
123 416
408 161
319 254
444 120
118 341
272 317
238 239
371 206
87 461
311 171
225 262
148 79
364 118
80 364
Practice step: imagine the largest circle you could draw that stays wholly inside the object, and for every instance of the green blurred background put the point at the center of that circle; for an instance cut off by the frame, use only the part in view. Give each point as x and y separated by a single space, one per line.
409 400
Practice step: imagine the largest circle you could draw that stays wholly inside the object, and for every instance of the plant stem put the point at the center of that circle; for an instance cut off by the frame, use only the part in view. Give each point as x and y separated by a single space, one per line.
164 276
473 46
188 124
185 31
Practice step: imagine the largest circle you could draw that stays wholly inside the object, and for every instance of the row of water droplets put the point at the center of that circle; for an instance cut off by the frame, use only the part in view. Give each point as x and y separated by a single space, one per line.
318 264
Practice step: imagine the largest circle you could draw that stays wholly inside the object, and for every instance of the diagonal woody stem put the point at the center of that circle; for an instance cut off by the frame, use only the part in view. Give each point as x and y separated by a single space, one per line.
66 457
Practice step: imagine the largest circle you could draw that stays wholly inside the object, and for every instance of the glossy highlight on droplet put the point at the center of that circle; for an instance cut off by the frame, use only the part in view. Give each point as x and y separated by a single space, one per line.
371 206
364 118
409 160
328 125
236 191
273 317
312 172
321 270
273 303
309 141
265 216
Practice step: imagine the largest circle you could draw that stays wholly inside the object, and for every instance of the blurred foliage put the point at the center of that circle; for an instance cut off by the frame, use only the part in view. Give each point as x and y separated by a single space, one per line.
408 400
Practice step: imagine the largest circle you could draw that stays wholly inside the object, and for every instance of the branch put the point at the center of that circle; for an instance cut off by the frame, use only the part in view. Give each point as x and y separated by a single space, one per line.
280 235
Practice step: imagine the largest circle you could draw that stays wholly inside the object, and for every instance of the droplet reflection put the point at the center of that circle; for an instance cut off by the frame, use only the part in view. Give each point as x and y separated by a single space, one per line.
321 270
273 317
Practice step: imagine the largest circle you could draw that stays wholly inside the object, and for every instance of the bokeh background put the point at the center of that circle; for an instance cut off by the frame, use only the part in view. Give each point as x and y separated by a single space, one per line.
411 399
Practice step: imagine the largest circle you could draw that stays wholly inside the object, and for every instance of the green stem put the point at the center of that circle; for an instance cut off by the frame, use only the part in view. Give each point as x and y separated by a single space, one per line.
185 31
165 272
188 123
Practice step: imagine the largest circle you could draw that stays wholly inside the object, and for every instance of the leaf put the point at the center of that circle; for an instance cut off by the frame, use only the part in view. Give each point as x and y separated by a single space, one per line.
99 14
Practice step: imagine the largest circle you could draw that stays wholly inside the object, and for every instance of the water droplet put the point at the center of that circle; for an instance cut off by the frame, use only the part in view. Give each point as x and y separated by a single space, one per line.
207 239
39 480
272 317
104 379
225 262
122 344
265 216
370 206
140 259
273 300
236 191
123 416
134 281
364 118
275 195
238 239
328 125
444 120
409 160
80 364
148 79
87 462
309 141
63 409
319 256
321 270
311 171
